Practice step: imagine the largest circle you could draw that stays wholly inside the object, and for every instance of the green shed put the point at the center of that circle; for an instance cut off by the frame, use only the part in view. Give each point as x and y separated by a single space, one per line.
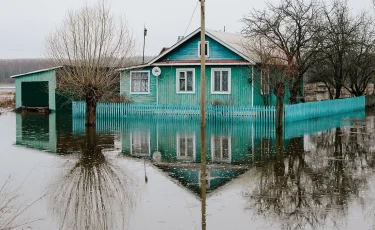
38 89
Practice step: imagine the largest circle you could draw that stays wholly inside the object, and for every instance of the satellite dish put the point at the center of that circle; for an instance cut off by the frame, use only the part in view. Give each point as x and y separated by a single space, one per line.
156 156
156 71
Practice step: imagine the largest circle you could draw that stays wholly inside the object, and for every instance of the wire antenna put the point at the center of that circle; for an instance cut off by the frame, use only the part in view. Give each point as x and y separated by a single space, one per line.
192 18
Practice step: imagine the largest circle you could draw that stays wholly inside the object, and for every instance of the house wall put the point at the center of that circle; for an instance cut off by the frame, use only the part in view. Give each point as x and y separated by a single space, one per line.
189 51
166 94
49 76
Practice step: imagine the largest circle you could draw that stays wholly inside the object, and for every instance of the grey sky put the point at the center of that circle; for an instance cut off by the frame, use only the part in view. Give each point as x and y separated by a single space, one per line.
25 23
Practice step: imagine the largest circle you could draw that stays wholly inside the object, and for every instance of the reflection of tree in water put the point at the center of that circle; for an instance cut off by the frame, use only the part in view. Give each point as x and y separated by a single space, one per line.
94 193
308 189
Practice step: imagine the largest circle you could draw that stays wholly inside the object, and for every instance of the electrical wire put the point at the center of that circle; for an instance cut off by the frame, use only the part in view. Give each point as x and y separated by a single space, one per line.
192 18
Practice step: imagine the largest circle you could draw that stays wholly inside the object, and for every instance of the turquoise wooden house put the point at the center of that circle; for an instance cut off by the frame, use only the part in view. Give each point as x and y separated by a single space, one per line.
173 77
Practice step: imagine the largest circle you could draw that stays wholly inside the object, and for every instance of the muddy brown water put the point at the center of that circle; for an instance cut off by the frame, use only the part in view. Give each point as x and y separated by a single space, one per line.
146 174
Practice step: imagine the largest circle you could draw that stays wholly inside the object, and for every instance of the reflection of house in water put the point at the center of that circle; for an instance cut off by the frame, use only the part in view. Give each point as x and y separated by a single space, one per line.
175 148
52 133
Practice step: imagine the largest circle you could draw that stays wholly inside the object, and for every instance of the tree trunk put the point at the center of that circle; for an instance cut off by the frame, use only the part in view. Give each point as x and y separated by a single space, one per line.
279 92
279 114
296 91
90 112
293 95
337 91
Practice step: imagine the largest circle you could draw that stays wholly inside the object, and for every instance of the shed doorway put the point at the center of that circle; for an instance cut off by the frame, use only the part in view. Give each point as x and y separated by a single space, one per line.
35 94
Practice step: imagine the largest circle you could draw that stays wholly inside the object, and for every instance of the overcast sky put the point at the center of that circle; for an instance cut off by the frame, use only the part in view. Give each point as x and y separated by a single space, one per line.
25 23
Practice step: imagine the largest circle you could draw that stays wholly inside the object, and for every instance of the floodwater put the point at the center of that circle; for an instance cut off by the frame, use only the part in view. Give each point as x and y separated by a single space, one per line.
146 173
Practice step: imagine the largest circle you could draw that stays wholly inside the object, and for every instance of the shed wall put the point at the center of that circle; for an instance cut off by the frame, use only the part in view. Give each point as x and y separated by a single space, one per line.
48 76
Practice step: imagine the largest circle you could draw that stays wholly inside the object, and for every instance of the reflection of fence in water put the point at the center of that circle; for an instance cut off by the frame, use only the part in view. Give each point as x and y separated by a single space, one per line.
256 129
221 113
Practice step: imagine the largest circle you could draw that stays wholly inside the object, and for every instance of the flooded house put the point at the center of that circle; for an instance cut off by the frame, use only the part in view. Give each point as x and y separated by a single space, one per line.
173 77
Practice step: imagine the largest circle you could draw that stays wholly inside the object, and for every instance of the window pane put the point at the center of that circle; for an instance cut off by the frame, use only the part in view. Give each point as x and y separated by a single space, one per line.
182 147
190 147
217 148
189 81
216 80
224 86
182 75
139 82
182 84
140 144
225 149
206 49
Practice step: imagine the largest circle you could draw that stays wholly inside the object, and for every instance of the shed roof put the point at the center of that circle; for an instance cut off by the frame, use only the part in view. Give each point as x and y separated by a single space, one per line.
37 71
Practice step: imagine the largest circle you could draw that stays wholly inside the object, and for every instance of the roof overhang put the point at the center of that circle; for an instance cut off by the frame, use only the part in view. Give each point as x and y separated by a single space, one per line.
37 71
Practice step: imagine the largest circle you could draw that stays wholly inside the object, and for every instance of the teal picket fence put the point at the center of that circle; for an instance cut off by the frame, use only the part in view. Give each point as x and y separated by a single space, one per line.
304 111
121 110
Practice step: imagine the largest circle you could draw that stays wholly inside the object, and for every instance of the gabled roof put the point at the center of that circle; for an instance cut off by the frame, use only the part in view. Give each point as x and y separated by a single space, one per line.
233 42
37 71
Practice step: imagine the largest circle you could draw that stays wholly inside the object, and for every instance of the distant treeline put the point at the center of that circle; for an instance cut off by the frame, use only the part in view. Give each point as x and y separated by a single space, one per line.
9 67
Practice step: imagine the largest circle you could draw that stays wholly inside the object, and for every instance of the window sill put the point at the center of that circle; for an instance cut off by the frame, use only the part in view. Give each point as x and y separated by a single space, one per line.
140 93
220 92
185 92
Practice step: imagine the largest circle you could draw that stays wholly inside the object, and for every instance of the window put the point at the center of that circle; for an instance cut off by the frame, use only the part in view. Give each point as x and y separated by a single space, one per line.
140 144
221 149
140 82
185 147
220 81
206 49
185 81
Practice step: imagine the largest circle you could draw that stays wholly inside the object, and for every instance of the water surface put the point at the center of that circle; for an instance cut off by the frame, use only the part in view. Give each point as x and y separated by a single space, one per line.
146 173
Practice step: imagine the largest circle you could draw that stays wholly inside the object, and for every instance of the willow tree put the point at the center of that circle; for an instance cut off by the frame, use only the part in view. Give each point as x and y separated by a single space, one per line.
90 45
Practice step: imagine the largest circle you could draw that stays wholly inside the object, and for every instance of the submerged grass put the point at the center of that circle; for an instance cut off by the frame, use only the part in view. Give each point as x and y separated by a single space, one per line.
11 208
7 103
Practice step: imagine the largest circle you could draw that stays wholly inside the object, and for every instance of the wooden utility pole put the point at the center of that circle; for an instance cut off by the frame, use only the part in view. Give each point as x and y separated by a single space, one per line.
144 44
203 114
203 65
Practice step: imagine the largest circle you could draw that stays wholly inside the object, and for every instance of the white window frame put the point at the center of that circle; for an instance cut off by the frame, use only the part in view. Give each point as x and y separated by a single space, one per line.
140 71
178 80
149 145
229 160
213 80
208 48
179 157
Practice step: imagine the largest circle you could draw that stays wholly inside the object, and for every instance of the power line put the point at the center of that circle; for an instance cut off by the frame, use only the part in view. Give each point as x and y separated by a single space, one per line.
191 18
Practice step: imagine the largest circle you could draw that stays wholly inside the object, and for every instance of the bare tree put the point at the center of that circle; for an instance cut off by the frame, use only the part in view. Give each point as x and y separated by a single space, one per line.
292 27
273 74
361 57
338 32
346 54
90 44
